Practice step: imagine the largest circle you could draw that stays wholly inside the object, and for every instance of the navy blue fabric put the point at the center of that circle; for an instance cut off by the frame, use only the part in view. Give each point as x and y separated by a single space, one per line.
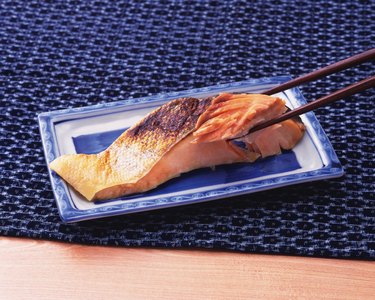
59 54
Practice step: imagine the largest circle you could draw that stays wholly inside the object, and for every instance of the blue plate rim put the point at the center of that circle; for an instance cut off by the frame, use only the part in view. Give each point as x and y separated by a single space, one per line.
69 213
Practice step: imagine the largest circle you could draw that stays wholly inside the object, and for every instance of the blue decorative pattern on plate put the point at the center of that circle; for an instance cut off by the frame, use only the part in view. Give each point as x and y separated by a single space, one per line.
91 129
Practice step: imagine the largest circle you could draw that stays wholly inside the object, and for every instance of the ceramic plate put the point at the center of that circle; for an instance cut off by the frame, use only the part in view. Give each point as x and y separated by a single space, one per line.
91 129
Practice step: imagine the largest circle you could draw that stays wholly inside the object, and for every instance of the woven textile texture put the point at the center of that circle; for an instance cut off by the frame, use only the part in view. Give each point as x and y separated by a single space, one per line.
60 54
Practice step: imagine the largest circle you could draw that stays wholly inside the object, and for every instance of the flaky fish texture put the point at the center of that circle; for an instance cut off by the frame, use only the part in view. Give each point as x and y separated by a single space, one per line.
180 136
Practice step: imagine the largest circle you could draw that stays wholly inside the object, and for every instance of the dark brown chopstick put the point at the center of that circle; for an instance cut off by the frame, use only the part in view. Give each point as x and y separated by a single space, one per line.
330 69
345 92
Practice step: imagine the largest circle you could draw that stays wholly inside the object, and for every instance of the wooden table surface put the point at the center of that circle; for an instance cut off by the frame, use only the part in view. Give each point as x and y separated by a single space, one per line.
33 269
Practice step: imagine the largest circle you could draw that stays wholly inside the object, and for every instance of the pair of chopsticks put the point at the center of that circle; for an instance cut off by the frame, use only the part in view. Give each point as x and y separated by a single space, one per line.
337 95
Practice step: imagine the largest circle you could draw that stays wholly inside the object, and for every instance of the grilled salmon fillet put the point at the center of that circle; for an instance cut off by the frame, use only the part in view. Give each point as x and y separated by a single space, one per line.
180 136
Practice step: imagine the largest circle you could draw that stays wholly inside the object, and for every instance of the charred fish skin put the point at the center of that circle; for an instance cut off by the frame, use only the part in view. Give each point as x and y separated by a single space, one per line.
168 123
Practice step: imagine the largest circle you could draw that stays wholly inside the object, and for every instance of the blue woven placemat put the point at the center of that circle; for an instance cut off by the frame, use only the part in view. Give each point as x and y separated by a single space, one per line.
77 53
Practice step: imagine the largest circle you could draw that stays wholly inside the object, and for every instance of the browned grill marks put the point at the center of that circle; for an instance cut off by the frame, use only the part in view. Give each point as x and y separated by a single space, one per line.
171 119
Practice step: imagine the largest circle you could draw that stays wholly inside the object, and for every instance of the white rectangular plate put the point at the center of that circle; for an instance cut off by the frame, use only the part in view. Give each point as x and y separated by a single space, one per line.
91 129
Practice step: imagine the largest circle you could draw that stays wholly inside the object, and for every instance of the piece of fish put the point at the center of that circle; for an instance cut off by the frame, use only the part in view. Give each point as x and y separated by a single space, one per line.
180 136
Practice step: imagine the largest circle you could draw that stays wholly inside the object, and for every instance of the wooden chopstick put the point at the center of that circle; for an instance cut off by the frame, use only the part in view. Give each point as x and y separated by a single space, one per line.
330 69
345 92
